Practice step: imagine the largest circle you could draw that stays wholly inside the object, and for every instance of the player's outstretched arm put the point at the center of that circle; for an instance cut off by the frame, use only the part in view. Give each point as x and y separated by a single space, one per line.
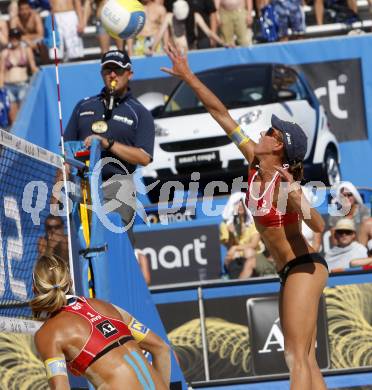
211 102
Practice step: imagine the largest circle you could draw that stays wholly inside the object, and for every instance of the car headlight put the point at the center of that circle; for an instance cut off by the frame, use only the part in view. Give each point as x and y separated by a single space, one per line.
160 131
250 117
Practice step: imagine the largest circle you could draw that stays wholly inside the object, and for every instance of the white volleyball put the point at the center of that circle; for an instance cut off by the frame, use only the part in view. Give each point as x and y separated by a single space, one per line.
123 18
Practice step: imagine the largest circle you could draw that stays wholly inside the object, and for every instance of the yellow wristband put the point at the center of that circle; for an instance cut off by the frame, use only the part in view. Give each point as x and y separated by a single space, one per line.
55 366
238 137
138 330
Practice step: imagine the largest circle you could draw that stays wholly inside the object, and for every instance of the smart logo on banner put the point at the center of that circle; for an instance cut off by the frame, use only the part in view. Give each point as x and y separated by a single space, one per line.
267 341
339 87
181 255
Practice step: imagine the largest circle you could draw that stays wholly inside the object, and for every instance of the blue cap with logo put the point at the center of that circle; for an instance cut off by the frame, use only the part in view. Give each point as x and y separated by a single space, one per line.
294 138
117 57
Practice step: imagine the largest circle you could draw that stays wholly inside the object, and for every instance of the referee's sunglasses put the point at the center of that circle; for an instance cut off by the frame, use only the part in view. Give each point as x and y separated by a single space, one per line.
117 70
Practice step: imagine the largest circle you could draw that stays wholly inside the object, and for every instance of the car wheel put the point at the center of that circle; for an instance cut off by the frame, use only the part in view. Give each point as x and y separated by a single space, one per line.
331 168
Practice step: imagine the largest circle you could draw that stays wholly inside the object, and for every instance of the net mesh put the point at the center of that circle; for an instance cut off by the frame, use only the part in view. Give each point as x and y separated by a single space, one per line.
27 228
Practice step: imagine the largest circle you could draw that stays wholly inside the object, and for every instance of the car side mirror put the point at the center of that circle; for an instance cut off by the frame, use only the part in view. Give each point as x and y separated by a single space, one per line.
286 94
157 111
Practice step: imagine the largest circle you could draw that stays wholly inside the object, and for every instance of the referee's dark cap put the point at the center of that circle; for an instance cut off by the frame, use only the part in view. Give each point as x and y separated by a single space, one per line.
117 57
294 138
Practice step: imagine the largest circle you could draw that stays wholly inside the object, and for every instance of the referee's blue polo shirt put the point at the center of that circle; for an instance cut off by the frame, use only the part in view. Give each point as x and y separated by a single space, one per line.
130 124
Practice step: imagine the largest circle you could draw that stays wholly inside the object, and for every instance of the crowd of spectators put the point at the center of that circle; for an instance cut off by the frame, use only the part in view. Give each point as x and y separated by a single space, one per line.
201 24
346 243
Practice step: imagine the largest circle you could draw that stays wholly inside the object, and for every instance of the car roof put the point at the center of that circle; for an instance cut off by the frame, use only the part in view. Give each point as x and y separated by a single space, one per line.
268 65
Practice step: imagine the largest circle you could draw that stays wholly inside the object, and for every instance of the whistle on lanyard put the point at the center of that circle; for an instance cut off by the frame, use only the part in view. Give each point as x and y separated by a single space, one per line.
112 91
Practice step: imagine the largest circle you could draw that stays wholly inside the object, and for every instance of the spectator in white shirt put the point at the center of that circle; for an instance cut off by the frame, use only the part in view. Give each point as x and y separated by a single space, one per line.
346 247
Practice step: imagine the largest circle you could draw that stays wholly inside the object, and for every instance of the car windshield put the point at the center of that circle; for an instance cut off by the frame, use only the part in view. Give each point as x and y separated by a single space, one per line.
236 87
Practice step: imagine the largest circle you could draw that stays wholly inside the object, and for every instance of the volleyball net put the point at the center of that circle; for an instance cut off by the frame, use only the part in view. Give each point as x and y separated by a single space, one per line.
31 224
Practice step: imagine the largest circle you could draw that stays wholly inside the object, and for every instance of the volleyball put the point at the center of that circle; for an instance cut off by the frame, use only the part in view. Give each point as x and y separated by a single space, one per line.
123 18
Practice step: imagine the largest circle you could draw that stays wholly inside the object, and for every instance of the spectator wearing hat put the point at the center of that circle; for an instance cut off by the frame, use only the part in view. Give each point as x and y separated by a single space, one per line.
125 129
365 263
346 247
16 60
348 204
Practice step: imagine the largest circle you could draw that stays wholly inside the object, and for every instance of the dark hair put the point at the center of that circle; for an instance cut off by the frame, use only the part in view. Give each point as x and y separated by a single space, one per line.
296 169
23 2
15 33
54 217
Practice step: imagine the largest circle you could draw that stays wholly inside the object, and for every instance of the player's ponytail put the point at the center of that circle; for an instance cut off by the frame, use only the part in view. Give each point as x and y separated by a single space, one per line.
51 283
296 168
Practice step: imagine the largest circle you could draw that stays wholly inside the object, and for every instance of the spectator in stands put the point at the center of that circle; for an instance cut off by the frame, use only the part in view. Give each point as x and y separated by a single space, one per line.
366 262
55 241
289 15
238 233
235 19
70 26
144 265
155 16
29 23
350 204
346 247
15 62
196 38
104 39
176 22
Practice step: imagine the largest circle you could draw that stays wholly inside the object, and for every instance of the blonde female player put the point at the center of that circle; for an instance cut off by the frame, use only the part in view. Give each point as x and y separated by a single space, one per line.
92 338
276 162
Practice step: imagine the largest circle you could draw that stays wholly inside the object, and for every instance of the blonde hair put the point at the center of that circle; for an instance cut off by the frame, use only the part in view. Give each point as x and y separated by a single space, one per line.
52 281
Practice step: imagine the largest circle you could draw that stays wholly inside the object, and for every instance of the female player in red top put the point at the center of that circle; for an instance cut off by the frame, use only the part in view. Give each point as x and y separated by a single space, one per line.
98 340
278 207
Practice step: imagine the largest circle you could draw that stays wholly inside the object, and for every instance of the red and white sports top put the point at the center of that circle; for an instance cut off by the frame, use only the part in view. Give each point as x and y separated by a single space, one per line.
262 208
104 331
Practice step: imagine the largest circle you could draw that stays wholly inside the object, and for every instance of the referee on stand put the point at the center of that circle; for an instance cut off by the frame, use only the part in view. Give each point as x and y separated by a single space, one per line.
124 127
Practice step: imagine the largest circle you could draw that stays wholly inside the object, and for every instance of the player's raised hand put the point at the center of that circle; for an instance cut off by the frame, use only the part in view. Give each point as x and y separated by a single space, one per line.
180 67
